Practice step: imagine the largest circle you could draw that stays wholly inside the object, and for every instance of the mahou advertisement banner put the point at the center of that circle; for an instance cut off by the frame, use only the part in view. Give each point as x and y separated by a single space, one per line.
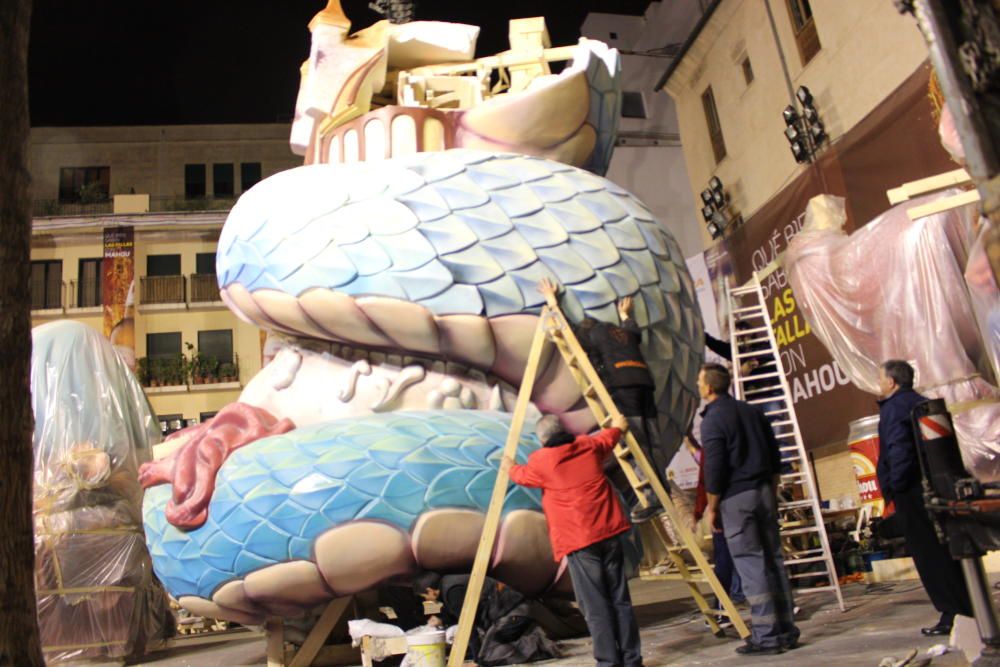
118 291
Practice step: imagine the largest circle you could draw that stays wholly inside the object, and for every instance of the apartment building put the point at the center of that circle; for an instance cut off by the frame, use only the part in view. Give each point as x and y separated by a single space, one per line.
168 190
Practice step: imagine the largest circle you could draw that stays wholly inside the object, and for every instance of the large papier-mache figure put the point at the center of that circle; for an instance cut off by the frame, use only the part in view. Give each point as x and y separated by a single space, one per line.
97 597
395 274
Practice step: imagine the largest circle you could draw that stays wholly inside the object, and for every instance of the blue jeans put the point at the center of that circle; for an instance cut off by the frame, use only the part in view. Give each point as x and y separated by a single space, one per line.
602 592
750 523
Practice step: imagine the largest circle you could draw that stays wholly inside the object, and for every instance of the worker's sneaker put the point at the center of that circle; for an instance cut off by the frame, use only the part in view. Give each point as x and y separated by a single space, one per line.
641 514
756 649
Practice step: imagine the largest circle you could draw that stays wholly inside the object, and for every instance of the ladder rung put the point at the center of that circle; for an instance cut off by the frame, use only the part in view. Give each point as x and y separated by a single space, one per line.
771 413
748 309
762 376
762 401
783 422
752 341
590 391
742 291
758 353
799 531
809 575
759 390
803 561
804 552
746 332
795 503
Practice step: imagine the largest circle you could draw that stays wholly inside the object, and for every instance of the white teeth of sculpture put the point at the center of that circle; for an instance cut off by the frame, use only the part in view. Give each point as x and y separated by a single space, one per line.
297 383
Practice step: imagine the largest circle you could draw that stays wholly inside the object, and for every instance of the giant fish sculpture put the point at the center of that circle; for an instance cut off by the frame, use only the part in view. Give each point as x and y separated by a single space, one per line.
400 296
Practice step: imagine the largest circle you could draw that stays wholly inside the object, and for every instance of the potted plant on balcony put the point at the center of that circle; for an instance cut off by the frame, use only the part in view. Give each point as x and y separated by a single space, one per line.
210 369
156 372
142 371
227 371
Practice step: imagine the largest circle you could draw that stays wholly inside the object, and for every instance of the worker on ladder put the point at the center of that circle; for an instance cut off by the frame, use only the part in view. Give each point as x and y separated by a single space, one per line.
628 380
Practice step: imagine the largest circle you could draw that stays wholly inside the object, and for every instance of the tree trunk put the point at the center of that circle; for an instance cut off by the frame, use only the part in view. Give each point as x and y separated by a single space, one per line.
19 641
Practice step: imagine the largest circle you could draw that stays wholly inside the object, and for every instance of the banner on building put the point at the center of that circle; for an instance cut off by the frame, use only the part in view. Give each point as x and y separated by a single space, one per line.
118 291
896 143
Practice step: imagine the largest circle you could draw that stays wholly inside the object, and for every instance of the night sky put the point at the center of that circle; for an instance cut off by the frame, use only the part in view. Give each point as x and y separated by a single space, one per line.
153 62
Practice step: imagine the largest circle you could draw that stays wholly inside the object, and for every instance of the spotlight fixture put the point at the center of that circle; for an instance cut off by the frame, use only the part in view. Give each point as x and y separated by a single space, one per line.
714 231
804 131
714 211
790 115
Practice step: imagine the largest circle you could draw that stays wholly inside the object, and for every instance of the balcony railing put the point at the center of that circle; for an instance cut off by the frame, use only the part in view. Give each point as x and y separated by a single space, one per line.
83 293
53 207
204 288
161 289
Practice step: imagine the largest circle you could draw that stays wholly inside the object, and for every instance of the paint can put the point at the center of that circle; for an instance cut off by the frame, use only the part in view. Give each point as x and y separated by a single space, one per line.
425 649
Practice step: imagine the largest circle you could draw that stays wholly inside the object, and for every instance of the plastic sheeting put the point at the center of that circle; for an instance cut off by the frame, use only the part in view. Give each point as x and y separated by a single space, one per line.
97 597
896 289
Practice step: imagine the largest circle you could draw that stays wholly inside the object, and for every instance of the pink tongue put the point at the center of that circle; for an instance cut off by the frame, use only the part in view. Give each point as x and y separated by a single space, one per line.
193 467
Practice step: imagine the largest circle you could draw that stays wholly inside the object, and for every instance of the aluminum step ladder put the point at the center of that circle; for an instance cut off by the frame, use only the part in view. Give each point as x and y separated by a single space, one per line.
671 533
803 533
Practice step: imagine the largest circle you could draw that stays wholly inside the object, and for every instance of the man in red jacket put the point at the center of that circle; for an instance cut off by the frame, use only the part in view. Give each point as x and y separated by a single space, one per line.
585 524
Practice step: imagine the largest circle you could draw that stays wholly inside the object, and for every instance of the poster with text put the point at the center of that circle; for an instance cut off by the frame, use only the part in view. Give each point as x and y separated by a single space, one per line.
118 291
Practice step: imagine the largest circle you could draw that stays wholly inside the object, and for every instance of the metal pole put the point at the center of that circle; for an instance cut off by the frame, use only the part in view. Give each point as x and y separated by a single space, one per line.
982 607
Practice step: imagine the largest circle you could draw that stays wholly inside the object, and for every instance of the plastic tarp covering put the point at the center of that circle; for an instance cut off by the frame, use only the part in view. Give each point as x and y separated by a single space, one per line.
896 289
97 596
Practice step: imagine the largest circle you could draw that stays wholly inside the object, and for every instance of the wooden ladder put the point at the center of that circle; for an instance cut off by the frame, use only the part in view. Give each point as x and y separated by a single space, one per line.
553 328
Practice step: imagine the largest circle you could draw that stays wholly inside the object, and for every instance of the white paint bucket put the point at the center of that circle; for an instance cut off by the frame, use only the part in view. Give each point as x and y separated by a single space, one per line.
425 649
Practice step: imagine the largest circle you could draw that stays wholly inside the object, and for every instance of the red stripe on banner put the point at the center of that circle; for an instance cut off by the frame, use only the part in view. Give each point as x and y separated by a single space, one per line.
937 425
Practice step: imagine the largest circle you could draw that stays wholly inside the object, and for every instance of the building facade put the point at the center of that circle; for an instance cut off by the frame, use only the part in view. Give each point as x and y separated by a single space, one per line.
171 187
742 67
862 66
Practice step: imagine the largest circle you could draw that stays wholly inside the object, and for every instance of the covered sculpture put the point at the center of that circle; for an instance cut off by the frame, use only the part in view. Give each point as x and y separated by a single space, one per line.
97 596
399 293
895 289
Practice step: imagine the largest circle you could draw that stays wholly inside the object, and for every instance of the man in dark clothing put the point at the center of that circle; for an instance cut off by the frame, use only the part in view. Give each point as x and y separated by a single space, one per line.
899 477
616 350
585 526
504 631
742 466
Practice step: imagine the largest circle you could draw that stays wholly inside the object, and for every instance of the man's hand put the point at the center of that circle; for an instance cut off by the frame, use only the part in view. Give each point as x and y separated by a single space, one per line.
625 308
548 287
619 422
748 367
506 463
712 519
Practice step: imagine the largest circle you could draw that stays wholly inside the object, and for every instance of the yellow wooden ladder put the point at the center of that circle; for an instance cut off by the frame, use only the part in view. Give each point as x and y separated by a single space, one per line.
553 328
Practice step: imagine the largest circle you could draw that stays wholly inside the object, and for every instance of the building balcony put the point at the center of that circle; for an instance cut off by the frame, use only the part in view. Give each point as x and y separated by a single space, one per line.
162 292
44 208
204 289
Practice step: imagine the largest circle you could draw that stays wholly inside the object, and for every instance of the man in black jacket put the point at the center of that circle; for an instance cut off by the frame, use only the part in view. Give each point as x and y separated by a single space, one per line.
900 480
619 361
742 468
